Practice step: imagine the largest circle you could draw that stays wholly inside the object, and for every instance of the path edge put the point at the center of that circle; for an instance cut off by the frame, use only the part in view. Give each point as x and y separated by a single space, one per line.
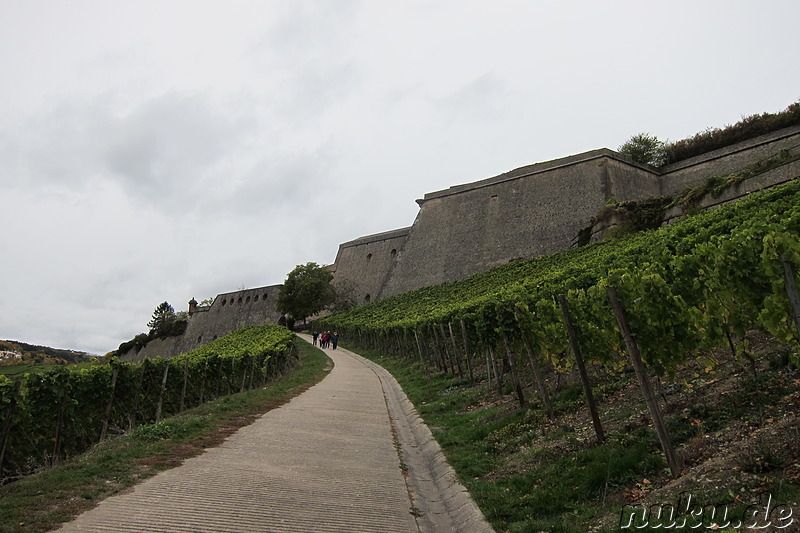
444 504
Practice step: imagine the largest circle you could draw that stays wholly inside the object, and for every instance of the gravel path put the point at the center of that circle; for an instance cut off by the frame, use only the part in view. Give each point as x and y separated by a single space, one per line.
328 461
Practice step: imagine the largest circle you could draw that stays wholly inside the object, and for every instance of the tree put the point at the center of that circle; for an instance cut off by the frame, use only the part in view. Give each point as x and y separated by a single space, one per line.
644 148
163 319
306 291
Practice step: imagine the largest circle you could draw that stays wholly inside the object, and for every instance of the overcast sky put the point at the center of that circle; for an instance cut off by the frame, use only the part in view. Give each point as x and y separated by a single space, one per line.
164 150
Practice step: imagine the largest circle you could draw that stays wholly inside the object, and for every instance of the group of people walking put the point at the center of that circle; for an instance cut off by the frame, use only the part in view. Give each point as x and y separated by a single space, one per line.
326 339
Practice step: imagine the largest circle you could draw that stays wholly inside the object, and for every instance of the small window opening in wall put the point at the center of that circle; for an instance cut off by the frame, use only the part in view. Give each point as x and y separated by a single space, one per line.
239 300
265 297
224 301
393 252
214 338
367 298
494 197
369 256
247 301
200 339
255 298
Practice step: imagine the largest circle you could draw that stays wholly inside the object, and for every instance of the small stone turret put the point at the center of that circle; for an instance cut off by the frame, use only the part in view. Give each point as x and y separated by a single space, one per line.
192 306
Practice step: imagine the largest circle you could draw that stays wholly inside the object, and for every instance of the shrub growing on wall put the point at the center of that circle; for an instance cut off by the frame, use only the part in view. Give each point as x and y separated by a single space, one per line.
747 128
644 148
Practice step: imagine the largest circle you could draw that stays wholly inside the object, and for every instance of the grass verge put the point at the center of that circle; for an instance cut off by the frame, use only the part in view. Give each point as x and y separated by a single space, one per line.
43 501
528 474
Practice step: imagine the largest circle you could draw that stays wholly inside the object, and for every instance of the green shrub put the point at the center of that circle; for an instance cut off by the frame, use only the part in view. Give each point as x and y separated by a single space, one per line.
747 128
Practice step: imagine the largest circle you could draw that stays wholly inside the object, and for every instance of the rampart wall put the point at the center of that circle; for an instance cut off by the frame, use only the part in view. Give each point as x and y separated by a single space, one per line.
363 265
530 211
539 209
725 161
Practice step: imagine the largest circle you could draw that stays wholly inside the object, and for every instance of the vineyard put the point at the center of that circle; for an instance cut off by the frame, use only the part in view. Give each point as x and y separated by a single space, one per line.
49 416
651 301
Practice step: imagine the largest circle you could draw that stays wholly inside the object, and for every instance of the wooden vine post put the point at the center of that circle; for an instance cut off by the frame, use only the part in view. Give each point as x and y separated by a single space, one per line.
466 351
576 351
62 411
419 348
497 377
537 374
8 421
400 350
231 375
407 344
161 392
185 382
644 383
488 368
442 363
447 352
244 377
137 395
791 291
252 371
203 382
514 373
219 377
110 404
455 350
267 375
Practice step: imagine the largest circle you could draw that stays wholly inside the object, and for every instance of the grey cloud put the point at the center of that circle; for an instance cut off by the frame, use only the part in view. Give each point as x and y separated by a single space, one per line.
278 181
314 89
308 54
172 145
302 27
479 100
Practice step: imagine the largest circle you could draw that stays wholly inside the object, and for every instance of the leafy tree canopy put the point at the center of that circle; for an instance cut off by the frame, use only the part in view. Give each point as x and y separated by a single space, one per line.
644 148
163 319
306 291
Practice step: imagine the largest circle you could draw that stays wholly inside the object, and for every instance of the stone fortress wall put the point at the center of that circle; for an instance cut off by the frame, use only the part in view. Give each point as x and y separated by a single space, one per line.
537 209
728 160
363 265
466 229
524 213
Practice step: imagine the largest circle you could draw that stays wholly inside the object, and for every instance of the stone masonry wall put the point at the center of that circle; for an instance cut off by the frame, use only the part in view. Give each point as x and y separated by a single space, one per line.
362 265
539 209
528 212
727 160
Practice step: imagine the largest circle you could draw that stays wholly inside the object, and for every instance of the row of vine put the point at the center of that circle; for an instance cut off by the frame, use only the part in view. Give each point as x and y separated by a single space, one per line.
48 416
699 283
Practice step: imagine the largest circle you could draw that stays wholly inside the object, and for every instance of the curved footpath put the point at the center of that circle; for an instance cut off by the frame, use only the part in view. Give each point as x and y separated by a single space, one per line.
348 455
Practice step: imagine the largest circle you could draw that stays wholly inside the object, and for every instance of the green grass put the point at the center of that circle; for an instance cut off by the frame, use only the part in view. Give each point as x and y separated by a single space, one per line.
555 490
43 501
528 474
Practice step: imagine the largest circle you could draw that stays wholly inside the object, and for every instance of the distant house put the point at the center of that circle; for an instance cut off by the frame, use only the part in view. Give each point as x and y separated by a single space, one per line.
9 355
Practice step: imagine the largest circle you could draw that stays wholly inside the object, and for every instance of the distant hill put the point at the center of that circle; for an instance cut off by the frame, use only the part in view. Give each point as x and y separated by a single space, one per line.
43 355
